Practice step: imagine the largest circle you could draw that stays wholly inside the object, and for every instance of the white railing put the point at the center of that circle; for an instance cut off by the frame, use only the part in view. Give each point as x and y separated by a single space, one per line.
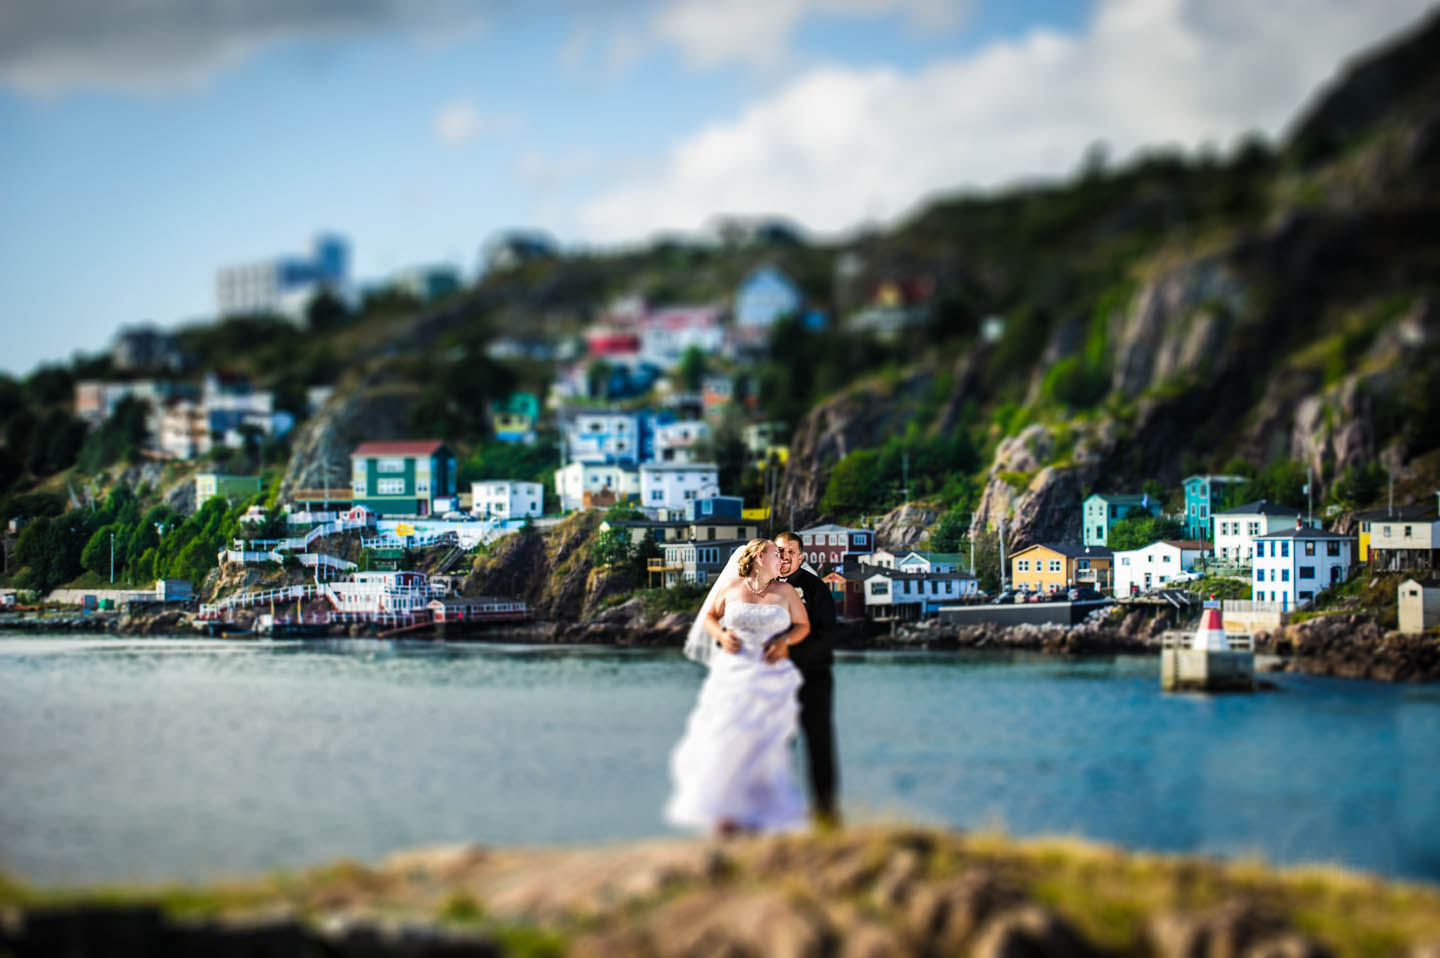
283 593
314 559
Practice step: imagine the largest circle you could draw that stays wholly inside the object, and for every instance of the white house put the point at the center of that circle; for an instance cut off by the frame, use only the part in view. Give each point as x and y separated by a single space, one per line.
1406 537
1235 528
665 485
1289 567
666 333
506 499
913 595
880 558
677 441
580 484
1139 570
603 436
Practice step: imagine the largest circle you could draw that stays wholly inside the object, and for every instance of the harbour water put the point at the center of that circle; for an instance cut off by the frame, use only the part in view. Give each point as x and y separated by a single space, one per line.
161 759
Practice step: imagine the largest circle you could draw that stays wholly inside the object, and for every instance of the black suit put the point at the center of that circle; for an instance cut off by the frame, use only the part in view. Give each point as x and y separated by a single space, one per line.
813 657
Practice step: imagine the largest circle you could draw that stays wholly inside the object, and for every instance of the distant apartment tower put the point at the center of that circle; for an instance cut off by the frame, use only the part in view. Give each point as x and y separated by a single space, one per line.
284 285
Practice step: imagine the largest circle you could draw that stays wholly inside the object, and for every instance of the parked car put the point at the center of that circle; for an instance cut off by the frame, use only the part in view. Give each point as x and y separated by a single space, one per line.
1004 597
1181 577
1083 593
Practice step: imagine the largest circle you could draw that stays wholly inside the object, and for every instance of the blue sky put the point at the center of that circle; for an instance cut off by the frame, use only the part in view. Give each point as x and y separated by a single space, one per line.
146 143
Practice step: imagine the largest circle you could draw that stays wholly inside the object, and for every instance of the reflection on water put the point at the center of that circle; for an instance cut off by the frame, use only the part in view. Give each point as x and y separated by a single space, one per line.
195 758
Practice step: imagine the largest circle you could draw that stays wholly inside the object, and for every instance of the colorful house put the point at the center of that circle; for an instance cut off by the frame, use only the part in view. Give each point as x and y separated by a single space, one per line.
513 419
1204 496
829 544
1101 511
1050 567
765 295
402 477
1406 537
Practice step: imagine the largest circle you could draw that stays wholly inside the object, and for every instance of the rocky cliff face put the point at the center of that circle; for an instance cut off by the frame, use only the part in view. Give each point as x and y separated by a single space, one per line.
361 409
551 571
860 418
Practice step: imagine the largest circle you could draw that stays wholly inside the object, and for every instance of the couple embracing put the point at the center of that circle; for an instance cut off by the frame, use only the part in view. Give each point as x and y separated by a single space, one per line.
764 630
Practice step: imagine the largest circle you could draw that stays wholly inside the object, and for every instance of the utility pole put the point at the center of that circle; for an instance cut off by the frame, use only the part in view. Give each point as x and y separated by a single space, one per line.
905 477
112 558
1002 553
1309 496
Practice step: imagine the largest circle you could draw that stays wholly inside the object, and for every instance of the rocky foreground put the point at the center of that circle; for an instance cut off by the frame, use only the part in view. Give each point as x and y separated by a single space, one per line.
865 892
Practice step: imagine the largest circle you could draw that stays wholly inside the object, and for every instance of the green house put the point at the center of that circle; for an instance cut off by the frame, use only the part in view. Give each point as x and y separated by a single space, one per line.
1101 510
402 477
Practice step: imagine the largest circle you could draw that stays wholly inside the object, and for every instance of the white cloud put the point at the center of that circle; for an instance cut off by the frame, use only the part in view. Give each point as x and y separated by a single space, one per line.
757 32
839 146
461 122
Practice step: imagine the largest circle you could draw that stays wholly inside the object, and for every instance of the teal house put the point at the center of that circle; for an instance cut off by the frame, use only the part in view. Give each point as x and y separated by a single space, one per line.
1103 510
1204 496
402 477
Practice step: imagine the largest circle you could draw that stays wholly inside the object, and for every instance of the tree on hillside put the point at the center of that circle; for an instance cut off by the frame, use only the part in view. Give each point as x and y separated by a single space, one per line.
1137 532
326 312
951 531
692 368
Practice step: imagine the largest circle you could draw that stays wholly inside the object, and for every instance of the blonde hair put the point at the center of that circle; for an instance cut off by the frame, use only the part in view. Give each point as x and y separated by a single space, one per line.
752 551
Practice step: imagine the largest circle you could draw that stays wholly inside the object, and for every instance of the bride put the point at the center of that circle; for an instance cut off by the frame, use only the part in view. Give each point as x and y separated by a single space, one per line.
731 769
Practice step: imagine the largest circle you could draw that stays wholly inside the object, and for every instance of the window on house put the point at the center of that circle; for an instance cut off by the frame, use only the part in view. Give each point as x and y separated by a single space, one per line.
1284 575
1408 531
656 495
390 487
1309 547
390 465
1332 548
879 588
1284 549
1306 572
1083 564
1306 596
1385 531
1054 565
1022 565
1259 575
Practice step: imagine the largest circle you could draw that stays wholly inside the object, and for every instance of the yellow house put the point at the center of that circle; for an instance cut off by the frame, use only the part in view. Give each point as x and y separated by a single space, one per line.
1046 568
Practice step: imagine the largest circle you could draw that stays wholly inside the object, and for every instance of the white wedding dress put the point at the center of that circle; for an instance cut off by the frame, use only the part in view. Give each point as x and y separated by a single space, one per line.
733 762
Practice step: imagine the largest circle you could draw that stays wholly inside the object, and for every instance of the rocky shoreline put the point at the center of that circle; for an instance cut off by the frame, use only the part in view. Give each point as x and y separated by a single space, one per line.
1345 646
873 891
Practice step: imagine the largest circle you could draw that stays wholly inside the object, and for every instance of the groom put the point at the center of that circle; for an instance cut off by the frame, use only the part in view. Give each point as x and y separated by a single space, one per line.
813 658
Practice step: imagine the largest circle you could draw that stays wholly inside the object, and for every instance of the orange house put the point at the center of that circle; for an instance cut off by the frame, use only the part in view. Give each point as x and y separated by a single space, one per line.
1048 567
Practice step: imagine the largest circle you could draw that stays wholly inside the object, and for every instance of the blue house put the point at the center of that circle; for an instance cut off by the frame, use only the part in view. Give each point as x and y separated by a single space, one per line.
765 295
1204 495
714 507
1103 510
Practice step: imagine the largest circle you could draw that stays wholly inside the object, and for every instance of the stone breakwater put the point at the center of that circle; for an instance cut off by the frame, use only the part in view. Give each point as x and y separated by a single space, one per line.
873 891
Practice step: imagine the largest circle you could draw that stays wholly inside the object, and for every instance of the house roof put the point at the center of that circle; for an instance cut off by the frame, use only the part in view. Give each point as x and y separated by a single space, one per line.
679 467
832 527
398 447
1189 545
1260 507
1213 478
1304 532
935 556
1122 498
1070 550
1424 583
1411 511
911 576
